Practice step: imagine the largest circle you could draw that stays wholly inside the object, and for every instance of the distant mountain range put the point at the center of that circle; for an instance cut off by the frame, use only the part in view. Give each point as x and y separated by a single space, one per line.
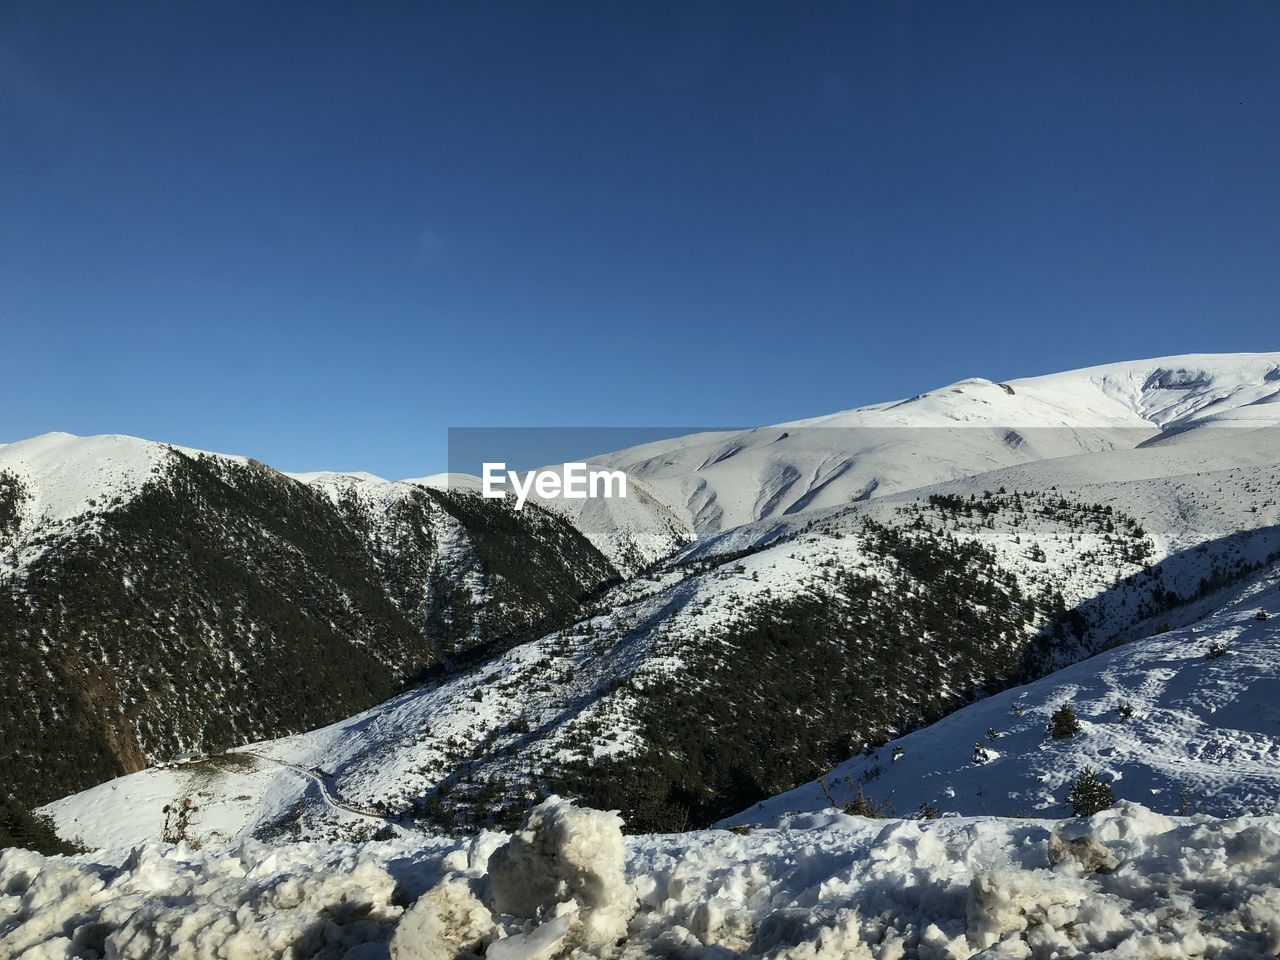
767 605
713 482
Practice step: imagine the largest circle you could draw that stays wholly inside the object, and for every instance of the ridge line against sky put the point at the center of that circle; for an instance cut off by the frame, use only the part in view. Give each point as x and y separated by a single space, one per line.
322 236
1139 392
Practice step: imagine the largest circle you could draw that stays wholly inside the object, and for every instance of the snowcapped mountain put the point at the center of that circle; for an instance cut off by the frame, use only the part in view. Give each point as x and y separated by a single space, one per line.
755 659
51 483
706 483
796 594
156 600
633 532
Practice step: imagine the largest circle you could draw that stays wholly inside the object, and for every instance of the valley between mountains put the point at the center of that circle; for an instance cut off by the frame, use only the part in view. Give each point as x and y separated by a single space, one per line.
878 609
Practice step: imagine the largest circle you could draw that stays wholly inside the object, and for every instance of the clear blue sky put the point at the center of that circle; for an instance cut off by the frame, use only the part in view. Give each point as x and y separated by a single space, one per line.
322 233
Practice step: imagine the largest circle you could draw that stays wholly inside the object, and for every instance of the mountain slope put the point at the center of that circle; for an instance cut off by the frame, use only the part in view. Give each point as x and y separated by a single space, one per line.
155 600
633 532
706 483
1185 721
1075 511
470 571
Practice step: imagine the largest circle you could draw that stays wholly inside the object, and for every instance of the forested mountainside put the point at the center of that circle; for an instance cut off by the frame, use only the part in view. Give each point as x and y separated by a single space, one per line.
474 574
155 601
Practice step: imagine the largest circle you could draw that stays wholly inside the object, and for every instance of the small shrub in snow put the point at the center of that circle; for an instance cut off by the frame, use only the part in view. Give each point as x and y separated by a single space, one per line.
980 753
1216 650
1063 723
864 806
1125 711
993 733
822 785
1089 795
1261 615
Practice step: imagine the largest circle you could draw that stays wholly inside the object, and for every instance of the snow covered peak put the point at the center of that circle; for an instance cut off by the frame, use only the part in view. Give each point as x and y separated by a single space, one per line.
375 492
447 481
66 475
709 482
1156 393
1174 391
321 477
716 481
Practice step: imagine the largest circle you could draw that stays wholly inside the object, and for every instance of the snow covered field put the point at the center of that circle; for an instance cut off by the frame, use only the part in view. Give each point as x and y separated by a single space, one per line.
1126 883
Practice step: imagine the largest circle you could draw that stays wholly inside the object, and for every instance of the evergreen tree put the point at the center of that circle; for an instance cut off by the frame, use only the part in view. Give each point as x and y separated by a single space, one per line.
1064 724
1089 794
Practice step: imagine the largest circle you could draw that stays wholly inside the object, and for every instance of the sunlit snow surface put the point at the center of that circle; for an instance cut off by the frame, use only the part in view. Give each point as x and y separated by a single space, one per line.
716 481
1127 883
708 483
1202 735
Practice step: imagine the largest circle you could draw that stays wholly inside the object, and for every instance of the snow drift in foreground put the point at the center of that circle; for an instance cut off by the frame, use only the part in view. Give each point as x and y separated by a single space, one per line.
1127 883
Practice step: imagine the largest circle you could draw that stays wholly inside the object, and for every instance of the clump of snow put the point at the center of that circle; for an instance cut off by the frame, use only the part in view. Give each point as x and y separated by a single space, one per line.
170 902
566 860
1126 883
449 920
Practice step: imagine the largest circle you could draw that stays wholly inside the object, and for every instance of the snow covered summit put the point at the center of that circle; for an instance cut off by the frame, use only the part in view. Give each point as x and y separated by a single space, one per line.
717 481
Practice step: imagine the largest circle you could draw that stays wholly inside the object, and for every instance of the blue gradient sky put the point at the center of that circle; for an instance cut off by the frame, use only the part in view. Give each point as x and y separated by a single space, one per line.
320 234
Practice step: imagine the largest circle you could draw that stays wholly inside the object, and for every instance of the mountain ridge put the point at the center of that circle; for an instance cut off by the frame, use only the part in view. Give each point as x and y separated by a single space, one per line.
156 600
